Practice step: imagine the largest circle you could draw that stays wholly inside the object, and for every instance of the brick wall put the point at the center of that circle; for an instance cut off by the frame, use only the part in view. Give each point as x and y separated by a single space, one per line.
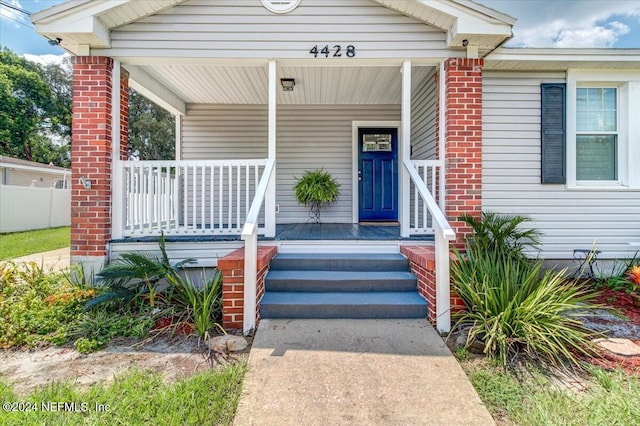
463 141
232 268
422 261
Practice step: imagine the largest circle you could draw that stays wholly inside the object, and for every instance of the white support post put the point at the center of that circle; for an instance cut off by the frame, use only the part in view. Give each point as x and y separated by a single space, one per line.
442 135
178 137
443 292
405 151
250 279
117 181
270 198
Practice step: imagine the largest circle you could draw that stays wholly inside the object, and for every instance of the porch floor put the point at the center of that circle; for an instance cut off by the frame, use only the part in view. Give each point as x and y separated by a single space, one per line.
303 232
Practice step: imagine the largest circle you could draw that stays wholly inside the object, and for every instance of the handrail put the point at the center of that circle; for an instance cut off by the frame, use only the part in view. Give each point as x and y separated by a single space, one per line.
251 221
436 213
443 234
174 163
250 237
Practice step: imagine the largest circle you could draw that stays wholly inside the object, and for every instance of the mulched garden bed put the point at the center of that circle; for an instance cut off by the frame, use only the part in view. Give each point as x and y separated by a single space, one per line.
627 319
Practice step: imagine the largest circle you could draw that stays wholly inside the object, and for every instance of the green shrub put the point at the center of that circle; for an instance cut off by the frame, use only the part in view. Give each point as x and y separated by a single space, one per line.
513 306
36 306
501 232
202 304
135 276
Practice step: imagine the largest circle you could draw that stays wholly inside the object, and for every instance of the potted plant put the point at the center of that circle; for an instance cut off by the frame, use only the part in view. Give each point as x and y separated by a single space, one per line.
315 189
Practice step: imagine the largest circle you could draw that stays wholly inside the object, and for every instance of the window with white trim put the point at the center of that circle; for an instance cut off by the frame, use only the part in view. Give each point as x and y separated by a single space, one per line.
597 133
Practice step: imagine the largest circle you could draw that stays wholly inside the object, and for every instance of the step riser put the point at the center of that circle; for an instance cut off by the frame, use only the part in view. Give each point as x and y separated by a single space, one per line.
339 265
304 311
320 285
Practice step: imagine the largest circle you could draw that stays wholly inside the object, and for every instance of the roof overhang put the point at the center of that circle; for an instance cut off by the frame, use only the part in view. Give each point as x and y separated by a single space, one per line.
465 22
86 24
555 59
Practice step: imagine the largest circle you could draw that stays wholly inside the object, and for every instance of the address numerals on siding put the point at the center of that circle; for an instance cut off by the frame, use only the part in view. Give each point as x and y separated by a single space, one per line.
336 52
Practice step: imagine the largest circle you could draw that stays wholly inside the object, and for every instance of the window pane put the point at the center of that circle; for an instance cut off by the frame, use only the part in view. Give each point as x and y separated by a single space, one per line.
596 109
596 157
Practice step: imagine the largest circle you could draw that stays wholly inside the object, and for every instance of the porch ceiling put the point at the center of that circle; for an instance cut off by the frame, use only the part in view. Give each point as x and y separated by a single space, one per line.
217 84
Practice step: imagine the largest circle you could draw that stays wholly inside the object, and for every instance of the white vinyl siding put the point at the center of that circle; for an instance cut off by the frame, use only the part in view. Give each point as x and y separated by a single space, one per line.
308 137
423 119
245 29
569 219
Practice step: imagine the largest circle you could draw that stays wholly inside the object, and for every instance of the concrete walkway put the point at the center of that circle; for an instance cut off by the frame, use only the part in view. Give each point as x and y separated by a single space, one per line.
356 372
55 260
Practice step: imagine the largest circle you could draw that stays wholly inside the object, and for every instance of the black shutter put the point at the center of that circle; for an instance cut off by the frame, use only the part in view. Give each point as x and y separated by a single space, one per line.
553 119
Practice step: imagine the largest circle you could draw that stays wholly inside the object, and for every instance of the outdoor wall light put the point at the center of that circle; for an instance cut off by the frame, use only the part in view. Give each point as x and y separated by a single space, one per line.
85 182
288 84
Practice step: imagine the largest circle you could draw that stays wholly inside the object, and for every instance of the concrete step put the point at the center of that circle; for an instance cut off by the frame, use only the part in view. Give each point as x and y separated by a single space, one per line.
336 281
353 305
340 262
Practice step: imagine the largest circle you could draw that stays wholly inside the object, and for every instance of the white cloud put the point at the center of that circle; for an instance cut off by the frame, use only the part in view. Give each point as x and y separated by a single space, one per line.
46 59
585 23
10 16
564 34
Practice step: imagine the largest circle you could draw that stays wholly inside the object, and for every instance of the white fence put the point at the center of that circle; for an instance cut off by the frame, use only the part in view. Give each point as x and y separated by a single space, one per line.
23 208
188 197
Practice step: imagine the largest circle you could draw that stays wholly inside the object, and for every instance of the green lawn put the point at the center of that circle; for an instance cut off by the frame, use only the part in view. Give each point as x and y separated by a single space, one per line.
23 243
531 398
134 398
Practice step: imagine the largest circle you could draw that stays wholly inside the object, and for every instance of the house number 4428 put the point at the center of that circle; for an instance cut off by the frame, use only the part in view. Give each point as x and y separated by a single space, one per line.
336 52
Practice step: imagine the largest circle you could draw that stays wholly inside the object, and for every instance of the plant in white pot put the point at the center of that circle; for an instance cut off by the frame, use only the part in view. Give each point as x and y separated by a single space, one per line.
316 189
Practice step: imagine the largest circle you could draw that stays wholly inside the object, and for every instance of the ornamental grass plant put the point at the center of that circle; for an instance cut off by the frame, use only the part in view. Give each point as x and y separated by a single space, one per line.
514 306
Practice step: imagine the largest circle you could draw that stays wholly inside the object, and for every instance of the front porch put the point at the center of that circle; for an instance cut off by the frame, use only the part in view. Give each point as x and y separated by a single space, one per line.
409 78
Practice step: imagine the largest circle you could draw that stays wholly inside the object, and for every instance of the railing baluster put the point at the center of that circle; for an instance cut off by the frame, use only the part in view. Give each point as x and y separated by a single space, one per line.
212 199
185 198
238 197
202 199
247 172
220 195
142 182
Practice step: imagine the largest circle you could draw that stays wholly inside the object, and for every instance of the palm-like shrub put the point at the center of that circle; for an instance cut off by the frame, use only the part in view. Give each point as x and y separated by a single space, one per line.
513 306
134 275
202 303
501 232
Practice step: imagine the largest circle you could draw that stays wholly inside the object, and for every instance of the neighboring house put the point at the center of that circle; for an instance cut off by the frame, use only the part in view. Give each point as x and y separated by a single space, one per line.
17 172
413 106
33 195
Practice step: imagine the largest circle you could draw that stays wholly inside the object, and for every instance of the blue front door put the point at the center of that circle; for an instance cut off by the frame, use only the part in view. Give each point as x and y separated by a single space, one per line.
378 174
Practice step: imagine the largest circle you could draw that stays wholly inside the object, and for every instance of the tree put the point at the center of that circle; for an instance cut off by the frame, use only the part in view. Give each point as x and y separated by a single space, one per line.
151 129
35 110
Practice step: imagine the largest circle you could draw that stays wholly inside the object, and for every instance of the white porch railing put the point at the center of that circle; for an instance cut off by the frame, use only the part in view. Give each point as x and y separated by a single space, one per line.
443 234
420 218
250 237
188 197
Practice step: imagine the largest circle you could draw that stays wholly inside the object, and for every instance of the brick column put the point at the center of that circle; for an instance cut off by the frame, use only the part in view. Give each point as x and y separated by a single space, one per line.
232 268
463 141
91 156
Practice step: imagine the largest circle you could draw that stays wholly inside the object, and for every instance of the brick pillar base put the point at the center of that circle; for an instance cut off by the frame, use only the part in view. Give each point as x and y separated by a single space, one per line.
232 268
422 261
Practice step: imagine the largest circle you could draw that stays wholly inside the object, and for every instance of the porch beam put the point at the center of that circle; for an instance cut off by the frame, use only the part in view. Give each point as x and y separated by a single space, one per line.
155 91
405 151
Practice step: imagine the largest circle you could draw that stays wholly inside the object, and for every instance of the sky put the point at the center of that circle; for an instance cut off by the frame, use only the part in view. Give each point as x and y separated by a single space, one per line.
541 23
